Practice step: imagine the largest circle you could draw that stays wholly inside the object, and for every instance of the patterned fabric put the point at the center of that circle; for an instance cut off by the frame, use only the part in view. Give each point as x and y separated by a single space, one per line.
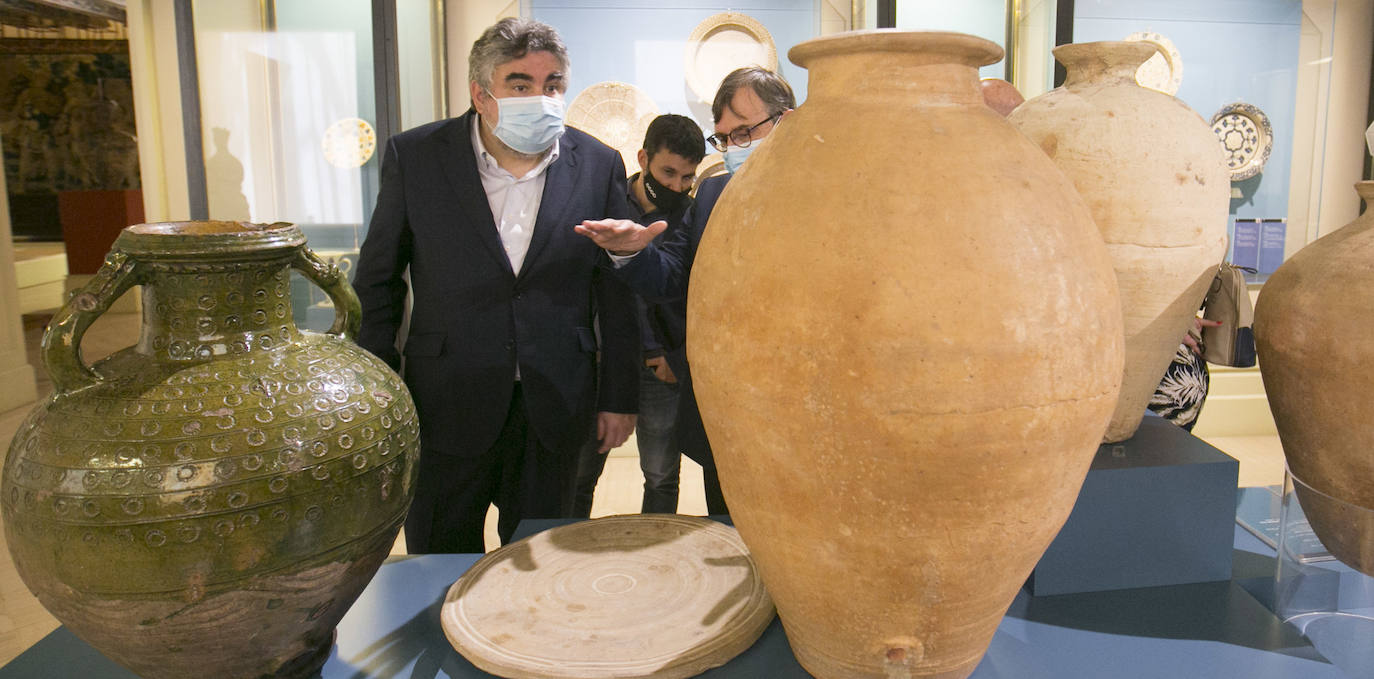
1180 395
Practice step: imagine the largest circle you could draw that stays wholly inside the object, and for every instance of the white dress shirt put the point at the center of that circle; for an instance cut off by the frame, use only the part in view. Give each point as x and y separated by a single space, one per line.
514 201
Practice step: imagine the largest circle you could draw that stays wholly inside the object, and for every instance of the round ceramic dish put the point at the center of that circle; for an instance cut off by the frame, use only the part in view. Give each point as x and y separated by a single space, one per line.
1245 136
616 113
647 595
349 143
723 43
1164 71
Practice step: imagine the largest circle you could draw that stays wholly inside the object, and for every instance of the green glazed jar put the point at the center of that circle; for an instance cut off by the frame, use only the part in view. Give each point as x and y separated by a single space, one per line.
219 494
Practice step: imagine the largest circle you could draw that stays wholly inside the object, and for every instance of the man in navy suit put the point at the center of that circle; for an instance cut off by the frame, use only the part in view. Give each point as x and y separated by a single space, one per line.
501 353
748 105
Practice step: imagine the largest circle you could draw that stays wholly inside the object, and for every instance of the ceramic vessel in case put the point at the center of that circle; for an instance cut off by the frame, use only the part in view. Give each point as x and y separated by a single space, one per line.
1315 338
905 342
211 500
1153 176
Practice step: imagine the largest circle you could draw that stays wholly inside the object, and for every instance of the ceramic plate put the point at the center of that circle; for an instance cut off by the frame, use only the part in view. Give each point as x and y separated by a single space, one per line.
723 43
349 143
616 113
1246 138
1164 70
647 595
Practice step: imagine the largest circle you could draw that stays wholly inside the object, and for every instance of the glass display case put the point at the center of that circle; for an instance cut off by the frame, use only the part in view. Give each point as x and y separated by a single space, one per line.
289 116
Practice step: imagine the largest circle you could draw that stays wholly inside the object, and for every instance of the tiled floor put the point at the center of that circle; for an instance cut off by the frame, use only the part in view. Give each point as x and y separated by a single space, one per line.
23 621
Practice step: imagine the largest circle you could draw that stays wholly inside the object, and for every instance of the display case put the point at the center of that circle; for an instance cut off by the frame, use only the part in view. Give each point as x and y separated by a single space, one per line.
1327 601
291 109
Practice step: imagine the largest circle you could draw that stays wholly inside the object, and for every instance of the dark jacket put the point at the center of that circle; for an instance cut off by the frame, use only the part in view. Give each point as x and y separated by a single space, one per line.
472 318
660 274
663 325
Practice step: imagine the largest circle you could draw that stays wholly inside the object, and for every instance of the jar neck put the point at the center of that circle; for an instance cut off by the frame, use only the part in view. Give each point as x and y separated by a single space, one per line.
1103 63
1366 190
897 82
901 68
196 312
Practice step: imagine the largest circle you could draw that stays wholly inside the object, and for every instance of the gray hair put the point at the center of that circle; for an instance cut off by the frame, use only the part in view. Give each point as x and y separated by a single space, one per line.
510 39
770 87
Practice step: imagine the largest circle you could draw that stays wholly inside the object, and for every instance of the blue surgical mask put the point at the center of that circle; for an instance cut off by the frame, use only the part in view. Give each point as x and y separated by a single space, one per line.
736 155
529 124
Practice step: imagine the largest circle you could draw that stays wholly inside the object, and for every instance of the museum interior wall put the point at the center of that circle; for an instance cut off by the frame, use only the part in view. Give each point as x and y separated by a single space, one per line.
269 81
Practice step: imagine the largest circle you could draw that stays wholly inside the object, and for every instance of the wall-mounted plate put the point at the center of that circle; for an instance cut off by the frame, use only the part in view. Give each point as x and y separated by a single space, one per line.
349 143
1246 137
616 113
1164 70
723 43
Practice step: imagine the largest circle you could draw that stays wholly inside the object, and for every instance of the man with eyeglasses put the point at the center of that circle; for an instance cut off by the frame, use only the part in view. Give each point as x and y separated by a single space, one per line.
748 106
501 354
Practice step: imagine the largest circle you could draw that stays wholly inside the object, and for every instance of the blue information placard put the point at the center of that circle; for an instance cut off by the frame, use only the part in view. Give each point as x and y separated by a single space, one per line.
1245 243
1271 237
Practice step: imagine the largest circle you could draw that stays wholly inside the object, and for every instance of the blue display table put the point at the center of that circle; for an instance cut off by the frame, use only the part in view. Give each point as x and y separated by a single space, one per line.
1211 630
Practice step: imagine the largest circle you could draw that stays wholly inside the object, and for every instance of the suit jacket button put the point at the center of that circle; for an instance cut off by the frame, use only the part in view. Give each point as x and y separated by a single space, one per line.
510 345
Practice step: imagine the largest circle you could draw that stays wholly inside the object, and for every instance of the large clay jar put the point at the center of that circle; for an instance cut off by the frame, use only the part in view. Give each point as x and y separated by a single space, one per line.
1315 337
1153 176
210 501
906 343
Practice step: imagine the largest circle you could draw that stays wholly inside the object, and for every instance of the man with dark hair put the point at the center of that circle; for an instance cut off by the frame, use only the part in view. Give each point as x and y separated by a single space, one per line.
500 352
748 105
673 148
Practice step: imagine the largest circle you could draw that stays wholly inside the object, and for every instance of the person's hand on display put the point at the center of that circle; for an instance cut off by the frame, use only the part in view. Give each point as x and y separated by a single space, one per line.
662 371
620 236
612 429
1193 338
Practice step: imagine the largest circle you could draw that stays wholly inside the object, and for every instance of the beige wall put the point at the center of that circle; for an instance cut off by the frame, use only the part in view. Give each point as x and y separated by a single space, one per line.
15 372
157 110
1348 111
464 21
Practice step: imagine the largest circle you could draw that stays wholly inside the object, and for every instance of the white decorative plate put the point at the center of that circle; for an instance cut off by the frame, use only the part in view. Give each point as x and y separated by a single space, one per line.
647 595
723 43
616 113
349 143
1164 70
1246 138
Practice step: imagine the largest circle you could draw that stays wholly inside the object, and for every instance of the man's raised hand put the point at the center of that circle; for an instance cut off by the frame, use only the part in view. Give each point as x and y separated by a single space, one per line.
620 236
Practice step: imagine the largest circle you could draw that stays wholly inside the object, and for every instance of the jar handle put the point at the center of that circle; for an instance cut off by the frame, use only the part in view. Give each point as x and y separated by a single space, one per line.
348 312
62 340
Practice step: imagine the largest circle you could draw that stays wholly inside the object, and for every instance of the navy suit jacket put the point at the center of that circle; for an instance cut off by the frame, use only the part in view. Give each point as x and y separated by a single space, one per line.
660 274
473 319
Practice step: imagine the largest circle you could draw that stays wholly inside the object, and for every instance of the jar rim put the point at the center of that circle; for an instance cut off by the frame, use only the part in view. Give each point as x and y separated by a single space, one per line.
933 46
173 239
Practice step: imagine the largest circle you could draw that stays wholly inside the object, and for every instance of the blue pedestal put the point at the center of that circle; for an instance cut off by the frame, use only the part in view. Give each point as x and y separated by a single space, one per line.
1156 509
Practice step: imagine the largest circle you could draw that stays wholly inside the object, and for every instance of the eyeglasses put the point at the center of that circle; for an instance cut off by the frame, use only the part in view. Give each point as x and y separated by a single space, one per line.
741 137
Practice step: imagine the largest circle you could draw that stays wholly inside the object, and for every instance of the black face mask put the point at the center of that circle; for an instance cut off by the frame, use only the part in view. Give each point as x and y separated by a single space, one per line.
660 195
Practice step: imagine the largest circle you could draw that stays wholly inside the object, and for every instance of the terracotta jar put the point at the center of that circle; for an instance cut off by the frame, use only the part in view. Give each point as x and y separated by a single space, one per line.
211 500
1154 177
906 342
1315 338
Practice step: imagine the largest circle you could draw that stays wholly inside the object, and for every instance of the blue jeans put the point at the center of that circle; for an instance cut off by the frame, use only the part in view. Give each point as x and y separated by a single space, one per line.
659 457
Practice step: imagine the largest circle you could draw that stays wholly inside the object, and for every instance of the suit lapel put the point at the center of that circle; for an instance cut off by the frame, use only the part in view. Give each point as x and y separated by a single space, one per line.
459 161
554 202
